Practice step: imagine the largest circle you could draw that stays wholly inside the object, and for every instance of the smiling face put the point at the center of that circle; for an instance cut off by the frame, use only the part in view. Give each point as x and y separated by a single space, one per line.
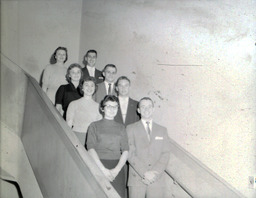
60 56
110 74
123 87
75 74
91 59
110 110
88 88
146 109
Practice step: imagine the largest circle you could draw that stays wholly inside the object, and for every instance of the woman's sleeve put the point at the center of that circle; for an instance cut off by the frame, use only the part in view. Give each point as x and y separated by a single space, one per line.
60 95
124 140
70 114
46 77
91 137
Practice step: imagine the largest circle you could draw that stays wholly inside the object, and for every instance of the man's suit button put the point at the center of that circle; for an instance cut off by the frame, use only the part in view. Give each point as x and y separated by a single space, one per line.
149 164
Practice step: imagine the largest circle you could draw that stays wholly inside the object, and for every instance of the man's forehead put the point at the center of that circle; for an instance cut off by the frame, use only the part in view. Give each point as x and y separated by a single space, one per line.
123 81
91 54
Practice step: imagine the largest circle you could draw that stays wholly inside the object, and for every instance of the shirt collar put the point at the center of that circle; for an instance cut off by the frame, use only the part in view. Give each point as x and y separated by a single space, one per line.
90 68
123 99
106 83
144 122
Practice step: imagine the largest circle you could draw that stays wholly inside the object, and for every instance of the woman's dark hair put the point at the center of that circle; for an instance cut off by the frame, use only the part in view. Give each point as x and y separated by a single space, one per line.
53 58
69 69
88 79
107 98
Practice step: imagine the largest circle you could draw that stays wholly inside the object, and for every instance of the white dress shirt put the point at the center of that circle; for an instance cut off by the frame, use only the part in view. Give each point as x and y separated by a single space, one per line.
123 101
91 71
106 86
144 122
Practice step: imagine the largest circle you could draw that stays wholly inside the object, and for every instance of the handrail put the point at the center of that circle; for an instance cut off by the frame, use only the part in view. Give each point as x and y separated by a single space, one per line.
188 172
195 178
86 165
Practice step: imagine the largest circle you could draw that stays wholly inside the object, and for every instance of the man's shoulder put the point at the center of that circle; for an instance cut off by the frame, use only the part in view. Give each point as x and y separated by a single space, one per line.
158 125
134 125
159 128
97 70
133 101
100 85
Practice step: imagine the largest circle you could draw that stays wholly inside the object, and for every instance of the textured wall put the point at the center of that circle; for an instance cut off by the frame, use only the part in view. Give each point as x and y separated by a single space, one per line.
196 59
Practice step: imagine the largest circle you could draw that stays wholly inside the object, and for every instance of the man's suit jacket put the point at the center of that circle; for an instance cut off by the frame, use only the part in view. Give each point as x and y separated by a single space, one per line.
101 92
98 75
145 154
131 114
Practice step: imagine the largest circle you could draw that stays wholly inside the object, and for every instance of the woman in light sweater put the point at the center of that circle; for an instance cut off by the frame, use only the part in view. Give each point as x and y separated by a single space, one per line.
82 112
54 74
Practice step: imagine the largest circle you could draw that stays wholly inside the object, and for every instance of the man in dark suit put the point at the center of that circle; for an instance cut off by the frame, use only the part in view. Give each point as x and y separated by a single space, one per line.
127 110
149 151
107 87
89 69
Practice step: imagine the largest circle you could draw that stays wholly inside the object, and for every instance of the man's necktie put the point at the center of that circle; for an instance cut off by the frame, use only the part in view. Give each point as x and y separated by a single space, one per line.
109 88
148 129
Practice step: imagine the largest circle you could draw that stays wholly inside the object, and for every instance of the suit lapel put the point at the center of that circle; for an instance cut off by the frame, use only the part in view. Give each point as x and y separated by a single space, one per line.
143 132
128 111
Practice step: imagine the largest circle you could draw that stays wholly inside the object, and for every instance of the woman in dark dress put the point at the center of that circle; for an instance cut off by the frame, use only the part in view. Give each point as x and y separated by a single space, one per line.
69 92
107 143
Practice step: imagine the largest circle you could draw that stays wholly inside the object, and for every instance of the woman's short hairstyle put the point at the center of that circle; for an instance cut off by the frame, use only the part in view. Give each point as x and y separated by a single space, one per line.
109 65
88 79
69 69
107 98
60 48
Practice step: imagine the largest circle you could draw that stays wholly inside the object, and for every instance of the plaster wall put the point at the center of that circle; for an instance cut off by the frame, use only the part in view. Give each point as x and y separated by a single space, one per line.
32 30
196 59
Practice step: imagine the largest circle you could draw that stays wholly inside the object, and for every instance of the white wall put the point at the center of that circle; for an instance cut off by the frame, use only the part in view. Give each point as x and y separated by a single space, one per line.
196 59
32 30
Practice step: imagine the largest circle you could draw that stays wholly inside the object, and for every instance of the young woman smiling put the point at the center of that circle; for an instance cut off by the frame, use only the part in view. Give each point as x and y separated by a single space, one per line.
107 143
82 112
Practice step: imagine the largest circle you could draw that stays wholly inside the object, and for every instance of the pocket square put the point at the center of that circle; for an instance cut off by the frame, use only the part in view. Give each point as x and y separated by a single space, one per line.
158 138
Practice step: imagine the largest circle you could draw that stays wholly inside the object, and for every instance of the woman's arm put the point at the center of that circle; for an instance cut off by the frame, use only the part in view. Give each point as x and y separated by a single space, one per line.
59 108
45 80
59 98
96 158
120 164
70 114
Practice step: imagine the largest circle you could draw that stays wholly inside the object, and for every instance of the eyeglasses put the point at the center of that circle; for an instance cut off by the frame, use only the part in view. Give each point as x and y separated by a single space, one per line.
111 107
